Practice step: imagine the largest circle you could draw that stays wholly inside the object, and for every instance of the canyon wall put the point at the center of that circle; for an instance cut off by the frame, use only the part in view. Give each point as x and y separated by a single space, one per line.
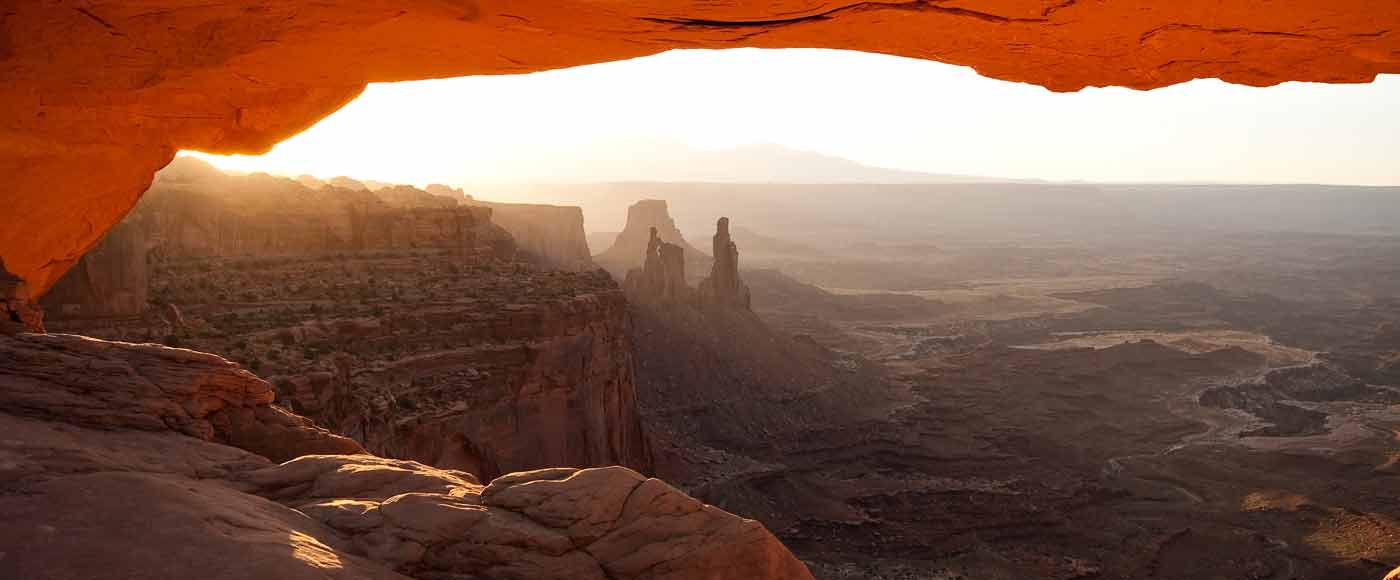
111 280
404 321
552 233
535 383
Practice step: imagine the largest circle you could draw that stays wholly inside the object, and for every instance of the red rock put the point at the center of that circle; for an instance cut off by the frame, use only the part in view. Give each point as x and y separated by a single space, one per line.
117 385
396 317
662 275
722 287
633 244
18 312
117 88
116 464
550 233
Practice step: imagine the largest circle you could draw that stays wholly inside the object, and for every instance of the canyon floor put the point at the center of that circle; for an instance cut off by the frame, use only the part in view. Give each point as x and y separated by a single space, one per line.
1219 405
1097 427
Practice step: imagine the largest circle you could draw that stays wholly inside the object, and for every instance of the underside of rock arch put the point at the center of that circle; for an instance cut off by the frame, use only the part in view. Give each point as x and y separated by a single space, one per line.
98 95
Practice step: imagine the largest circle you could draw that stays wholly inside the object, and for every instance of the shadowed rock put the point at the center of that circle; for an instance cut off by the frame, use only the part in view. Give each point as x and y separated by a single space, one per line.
397 317
116 385
17 312
633 244
131 461
723 286
662 275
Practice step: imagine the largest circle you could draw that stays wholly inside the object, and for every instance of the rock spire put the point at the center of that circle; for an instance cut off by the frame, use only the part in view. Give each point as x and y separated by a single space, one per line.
723 286
662 275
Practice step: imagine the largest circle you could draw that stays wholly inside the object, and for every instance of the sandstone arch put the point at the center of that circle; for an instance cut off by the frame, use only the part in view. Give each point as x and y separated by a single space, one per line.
98 95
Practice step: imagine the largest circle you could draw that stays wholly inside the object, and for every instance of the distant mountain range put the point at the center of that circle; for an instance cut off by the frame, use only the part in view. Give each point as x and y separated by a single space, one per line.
671 161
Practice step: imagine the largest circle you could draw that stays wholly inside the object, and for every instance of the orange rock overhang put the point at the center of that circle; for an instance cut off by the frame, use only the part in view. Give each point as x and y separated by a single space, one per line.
99 95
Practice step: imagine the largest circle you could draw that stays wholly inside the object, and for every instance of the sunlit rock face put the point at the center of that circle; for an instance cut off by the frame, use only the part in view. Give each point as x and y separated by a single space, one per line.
116 88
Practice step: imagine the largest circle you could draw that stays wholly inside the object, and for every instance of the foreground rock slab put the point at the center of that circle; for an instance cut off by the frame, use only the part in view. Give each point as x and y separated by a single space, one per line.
122 460
123 386
564 523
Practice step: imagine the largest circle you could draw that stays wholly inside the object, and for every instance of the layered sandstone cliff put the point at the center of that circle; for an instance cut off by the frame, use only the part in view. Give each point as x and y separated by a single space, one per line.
406 325
141 461
552 233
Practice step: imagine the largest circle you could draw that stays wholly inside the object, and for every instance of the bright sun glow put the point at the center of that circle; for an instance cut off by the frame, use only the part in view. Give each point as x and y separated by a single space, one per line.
588 123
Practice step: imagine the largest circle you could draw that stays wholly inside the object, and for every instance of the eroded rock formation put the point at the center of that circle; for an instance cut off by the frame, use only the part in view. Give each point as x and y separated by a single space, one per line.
140 461
662 275
118 88
648 220
661 278
723 286
406 325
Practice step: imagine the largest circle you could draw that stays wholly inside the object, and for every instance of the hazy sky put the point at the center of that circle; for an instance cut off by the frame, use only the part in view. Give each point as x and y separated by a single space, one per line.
878 110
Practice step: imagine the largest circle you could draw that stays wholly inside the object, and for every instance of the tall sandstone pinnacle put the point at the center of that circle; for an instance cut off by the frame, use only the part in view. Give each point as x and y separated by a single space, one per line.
723 287
661 279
